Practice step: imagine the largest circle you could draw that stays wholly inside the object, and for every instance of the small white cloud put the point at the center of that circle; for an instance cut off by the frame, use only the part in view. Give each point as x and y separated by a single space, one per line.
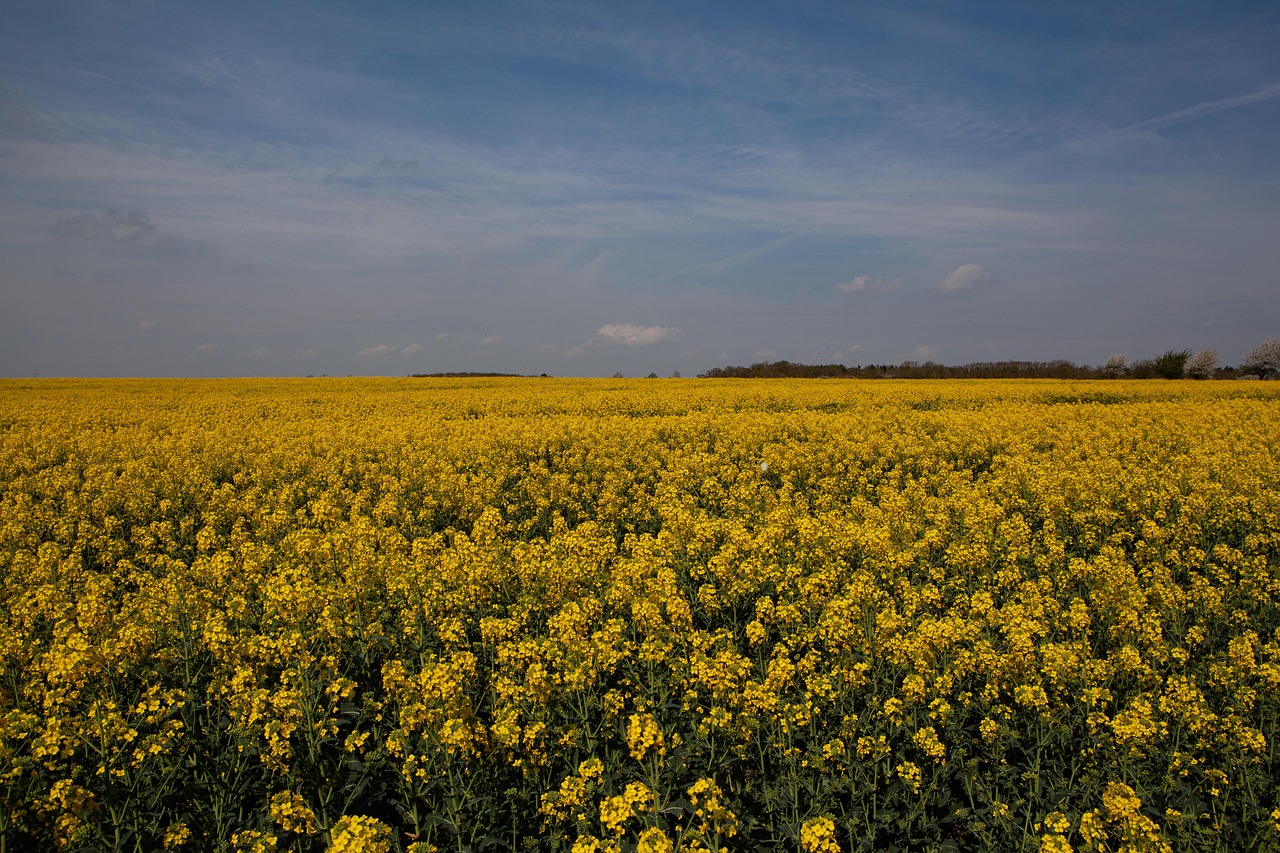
260 353
443 336
632 335
204 348
857 285
763 354
923 353
490 340
964 278
309 352
382 350
846 352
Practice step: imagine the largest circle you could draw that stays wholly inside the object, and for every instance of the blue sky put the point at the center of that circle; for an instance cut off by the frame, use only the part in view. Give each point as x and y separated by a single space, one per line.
582 188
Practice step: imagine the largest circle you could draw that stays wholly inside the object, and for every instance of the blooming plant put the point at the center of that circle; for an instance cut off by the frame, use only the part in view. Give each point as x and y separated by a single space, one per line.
570 615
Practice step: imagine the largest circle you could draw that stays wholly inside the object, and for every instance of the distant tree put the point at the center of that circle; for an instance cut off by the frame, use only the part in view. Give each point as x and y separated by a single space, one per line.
617 374
675 374
652 375
1170 364
1263 359
1143 368
1116 366
1202 364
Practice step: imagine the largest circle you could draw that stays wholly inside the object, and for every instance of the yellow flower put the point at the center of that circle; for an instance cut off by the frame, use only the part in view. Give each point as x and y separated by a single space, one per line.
654 840
176 835
292 813
818 835
1054 843
252 841
360 834
909 773
644 736
714 818
927 740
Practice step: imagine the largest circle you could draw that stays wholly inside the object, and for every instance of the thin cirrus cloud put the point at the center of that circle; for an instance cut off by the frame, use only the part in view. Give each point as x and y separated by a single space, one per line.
632 335
133 232
386 350
114 226
1205 108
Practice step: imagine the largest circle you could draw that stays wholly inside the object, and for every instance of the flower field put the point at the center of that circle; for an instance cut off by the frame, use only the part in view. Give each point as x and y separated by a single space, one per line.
639 615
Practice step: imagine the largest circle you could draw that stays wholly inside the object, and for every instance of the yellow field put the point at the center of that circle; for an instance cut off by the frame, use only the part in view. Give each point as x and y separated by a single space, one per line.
639 615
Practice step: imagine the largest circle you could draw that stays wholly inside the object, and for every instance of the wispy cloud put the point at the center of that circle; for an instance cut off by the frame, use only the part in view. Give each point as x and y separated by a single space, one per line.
856 285
923 353
386 350
113 225
1205 108
632 335
724 264
390 166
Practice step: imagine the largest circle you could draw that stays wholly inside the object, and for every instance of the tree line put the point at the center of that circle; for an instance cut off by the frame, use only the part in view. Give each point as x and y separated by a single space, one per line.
1262 362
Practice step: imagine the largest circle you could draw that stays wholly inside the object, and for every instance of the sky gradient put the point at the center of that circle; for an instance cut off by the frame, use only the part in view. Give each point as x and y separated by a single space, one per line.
582 188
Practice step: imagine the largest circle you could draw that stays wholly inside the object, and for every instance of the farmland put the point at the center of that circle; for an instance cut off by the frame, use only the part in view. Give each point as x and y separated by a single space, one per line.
639 615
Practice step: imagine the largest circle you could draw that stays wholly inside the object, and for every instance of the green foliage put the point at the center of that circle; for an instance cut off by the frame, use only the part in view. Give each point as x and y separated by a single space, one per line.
1170 364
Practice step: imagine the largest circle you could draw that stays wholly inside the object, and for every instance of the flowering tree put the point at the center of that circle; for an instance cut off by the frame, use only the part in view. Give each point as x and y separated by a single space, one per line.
1116 366
1202 364
1263 359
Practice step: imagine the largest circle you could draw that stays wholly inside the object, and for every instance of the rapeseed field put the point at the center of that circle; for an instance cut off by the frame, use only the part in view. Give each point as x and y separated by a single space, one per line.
639 615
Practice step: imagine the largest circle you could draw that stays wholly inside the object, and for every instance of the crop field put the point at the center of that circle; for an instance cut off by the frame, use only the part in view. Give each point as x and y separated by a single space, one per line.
639 615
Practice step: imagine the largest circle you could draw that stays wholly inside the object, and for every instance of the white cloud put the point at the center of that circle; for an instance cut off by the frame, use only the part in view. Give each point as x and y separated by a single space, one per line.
846 353
857 285
923 353
382 350
764 354
964 277
490 339
636 336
